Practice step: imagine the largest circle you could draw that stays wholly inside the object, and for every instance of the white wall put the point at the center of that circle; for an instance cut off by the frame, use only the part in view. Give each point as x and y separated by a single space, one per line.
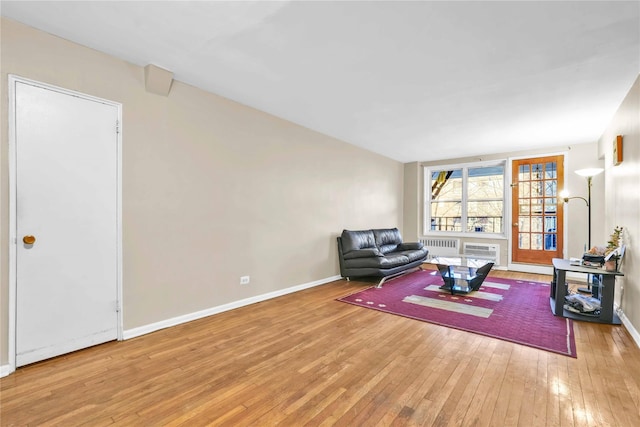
622 200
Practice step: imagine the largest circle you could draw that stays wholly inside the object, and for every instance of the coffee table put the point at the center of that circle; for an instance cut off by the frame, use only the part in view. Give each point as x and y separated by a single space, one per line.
462 273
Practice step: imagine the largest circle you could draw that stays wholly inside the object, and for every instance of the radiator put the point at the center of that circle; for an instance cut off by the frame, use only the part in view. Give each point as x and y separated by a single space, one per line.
441 246
484 250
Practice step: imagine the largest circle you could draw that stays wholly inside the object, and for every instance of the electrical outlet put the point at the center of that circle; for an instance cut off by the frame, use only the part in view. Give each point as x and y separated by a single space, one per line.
244 280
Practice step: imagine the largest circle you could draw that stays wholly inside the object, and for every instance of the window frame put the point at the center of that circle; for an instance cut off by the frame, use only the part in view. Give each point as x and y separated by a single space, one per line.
428 170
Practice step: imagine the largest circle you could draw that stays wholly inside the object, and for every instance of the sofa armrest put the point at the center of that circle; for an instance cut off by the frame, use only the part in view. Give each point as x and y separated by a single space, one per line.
363 253
410 246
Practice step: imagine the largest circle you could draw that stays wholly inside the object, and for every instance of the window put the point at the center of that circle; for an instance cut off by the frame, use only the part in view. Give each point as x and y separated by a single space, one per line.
465 199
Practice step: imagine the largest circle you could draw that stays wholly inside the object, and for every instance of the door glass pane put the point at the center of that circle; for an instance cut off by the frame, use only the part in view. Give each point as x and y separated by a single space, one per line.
524 206
550 223
523 173
550 205
523 224
536 171
524 188
550 242
536 206
550 171
536 223
550 188
523 241
536 188
536 241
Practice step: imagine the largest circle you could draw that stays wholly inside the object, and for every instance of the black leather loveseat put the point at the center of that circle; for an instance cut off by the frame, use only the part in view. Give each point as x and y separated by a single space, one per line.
377 252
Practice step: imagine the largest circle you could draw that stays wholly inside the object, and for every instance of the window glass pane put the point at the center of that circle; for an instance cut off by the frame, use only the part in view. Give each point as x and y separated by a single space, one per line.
446 185
446 216
485 217
523 241
485 183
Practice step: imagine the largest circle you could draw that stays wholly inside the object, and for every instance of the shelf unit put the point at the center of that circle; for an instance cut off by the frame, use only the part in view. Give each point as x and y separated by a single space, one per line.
602 287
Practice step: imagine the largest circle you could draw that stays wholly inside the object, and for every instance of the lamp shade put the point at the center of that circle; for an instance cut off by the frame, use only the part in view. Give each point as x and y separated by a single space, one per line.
589 172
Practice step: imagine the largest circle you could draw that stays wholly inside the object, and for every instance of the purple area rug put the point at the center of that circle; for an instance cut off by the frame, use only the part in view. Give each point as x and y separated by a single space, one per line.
511 310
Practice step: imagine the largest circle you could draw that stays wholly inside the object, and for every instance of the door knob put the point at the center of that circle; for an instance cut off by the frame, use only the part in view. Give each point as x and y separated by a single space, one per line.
29 240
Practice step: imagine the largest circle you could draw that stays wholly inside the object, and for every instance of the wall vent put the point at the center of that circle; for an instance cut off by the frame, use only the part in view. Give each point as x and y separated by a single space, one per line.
484 250
441 246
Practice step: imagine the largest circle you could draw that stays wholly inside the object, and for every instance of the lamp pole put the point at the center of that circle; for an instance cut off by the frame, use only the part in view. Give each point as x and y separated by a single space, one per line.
589 174
589 210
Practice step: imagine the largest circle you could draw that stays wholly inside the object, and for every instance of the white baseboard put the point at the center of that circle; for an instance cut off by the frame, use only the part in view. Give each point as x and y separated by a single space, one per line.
5 370
627 324
142 330
531 268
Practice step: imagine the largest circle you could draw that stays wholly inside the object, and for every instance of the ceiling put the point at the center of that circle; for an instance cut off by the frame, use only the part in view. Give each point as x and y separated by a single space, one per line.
413 81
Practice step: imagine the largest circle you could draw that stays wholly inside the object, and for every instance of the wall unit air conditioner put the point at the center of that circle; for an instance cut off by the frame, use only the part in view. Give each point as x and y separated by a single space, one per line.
484 250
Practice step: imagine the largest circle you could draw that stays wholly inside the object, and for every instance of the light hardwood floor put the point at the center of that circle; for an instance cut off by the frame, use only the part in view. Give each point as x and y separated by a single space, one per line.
306 359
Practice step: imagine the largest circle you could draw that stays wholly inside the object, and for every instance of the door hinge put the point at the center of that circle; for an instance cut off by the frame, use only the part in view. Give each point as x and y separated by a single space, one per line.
117 126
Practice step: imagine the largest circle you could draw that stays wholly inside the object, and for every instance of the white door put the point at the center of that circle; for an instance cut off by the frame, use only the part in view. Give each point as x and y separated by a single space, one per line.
66 193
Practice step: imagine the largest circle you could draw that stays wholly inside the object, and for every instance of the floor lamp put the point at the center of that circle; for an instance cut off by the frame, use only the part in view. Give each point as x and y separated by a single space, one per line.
588 173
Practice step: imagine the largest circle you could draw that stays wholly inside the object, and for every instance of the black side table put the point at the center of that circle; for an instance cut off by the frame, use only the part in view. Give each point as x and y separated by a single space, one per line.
607 289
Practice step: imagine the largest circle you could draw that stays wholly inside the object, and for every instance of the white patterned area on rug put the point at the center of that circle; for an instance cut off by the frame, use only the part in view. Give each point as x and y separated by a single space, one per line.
449 306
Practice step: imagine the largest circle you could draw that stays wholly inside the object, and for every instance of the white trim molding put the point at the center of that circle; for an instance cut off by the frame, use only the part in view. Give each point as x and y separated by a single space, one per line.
627 324
5 370
153 327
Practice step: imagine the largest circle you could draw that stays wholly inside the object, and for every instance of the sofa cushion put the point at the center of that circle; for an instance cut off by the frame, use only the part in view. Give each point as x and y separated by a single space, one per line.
360 239
412 255
363 253
387 239
410 246
388 261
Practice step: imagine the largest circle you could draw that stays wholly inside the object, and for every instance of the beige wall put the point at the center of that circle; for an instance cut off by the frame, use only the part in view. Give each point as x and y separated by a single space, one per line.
622 199
412 201
212 189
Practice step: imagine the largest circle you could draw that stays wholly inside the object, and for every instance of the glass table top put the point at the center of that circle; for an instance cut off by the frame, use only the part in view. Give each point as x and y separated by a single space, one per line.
460 260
